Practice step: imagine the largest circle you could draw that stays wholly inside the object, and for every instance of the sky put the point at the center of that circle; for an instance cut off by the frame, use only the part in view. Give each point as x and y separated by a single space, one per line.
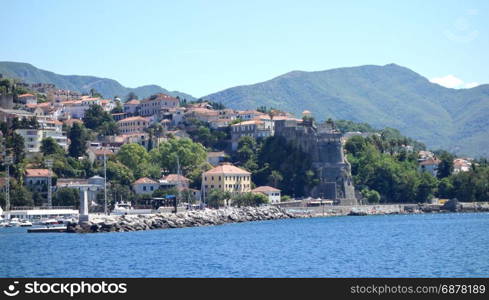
201 47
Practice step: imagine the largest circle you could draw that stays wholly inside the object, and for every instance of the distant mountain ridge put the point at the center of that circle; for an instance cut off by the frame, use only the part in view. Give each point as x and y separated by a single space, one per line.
107 87
390 95
383 96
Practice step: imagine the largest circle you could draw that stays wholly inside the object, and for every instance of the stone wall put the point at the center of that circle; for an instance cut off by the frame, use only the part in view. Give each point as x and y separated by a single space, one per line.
323 144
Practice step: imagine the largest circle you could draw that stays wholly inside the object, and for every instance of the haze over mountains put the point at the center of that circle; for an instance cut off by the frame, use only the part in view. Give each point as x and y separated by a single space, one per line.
384 96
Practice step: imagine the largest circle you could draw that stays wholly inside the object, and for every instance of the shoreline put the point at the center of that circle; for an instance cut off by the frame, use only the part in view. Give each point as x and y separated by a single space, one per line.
211 217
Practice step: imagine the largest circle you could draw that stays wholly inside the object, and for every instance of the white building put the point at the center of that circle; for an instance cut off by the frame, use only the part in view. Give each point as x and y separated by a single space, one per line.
272 193
257 128
145 185
47 128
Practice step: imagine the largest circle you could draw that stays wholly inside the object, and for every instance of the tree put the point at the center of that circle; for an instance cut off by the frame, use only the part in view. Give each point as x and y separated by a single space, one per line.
97 119
445 167
20 195
49 146
190 155
426 188
131 96
78 140
217 198
94 93
249 199
372 196
66 197
275 178
15 143
136 158
119 173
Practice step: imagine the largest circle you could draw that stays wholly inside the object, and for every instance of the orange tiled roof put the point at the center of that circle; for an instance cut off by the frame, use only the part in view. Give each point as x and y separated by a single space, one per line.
37 173
227 169
175 178
133 102
265 189
137 118
145 180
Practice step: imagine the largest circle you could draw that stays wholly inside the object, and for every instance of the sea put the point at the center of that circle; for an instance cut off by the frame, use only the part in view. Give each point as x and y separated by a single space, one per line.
424 245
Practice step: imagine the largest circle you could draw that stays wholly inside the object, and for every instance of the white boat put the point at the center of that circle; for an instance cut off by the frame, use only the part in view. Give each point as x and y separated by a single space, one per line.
49 222
125 208
25 223
14 222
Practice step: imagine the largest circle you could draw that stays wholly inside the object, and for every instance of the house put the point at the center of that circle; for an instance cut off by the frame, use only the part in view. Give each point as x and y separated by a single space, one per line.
247 115
227 177
215 158
93 185
27 99
133 124
98 154
261 127
145 185
76 108
174 180
37 179
272 193
202 114
132 107
461 165
430 165
47 128
154 104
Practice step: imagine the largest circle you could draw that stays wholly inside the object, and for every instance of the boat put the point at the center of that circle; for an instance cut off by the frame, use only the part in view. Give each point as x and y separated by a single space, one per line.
14 222
25 223
125 208
49 222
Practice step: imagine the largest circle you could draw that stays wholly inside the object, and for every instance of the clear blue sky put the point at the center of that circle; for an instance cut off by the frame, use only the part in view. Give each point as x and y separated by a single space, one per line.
200 47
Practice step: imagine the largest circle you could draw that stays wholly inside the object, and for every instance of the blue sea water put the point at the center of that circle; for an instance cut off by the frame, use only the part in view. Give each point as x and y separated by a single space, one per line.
428 245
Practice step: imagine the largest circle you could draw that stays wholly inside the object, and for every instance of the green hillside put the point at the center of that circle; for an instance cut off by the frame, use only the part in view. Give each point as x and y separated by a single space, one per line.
383 96
107 87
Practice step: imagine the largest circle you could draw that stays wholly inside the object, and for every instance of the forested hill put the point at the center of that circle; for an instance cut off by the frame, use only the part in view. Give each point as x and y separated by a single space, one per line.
107 87
383 96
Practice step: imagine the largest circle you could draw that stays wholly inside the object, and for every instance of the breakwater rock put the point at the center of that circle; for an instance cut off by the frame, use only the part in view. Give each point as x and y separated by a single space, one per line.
182 219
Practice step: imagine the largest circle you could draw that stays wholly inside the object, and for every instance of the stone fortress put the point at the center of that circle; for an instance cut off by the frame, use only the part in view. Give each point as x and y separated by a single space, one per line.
323 143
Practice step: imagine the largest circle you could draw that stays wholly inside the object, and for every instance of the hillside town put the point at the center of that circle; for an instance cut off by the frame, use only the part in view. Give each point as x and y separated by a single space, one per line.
155 152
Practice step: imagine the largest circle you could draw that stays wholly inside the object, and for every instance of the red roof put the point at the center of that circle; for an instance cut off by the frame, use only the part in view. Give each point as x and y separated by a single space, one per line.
137 118
145 180
25 95
37 173
265 189
133 102
430 161
175 178
227 169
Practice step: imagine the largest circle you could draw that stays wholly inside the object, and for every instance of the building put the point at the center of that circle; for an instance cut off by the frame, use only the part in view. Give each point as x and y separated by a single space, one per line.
154 104
98 154
145 185
47 128
37 179
76 108
132 107
272 193
27 99
175 180
262 127
461 165
227 177
216 158
430 165
133 124
94 185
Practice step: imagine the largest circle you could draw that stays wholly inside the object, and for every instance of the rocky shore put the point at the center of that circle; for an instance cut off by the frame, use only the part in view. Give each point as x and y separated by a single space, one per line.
182 219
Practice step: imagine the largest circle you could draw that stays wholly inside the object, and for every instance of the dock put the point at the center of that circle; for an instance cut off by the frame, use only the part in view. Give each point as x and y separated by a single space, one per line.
47 229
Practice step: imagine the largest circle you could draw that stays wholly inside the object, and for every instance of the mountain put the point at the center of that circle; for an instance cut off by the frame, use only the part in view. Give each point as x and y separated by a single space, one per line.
107 87
384 96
